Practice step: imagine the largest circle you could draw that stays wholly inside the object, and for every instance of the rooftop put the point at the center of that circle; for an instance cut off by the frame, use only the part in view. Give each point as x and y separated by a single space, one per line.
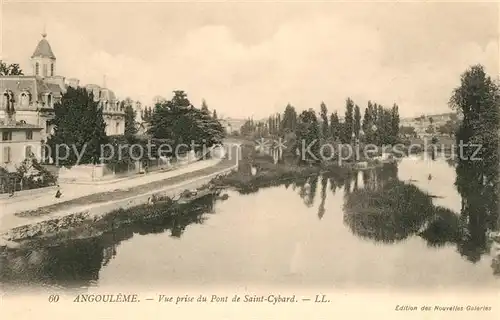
43 49
34 85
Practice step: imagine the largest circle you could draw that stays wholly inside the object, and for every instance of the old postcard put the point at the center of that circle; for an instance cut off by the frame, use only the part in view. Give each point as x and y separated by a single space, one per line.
249 160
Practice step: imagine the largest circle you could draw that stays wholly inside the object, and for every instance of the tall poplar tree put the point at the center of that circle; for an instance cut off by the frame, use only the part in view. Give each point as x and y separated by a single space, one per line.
325 129
335 128
348 121
357 121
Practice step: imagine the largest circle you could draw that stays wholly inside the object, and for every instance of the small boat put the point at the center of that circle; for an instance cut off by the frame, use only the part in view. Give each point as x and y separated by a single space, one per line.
190 195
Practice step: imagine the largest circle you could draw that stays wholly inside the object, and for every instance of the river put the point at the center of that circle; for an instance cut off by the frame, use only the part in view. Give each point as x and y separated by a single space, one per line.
292 235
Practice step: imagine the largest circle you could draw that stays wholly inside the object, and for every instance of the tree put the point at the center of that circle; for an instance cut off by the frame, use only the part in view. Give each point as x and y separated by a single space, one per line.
80 125
289 121
130 114
449 128
204 107
381 123
335 128
395 123
368 123
348 121
308 135
147 113
179 121
12 69
215 115
477 179
324 121
357 121
248 128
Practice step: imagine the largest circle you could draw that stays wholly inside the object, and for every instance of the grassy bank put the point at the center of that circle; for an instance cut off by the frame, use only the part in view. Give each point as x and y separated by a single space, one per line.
165 212
123 194
258 170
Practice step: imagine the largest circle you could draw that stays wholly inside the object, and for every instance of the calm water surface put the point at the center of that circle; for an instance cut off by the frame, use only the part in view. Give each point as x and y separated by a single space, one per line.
293 234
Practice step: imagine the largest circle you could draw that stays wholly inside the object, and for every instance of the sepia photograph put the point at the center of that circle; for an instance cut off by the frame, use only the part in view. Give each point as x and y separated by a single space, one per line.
249 159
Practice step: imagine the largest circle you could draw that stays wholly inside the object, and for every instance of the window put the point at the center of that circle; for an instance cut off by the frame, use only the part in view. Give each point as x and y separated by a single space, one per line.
117 127
6 136
44 70
29 135
5 100
52 69
28 152
37 69
49 100
6 154
25 99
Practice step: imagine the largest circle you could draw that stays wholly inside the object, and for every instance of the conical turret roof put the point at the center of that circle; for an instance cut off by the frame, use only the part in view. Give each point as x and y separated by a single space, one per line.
43 49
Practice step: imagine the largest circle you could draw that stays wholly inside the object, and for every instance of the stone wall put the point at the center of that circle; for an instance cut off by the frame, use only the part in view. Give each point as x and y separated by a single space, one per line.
97 213
82 173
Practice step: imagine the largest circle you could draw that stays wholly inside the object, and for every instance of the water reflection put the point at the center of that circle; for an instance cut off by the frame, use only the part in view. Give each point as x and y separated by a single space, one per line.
321 209
373 204
385 209
76 263
477 182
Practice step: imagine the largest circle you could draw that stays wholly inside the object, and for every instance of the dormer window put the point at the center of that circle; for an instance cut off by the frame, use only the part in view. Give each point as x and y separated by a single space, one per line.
8 101
49 100
25 99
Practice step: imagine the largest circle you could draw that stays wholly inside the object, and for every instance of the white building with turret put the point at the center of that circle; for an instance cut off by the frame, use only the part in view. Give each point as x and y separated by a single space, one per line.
32 97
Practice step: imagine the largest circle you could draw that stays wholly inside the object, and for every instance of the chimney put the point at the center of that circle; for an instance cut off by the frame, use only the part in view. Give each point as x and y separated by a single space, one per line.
10 114
74 83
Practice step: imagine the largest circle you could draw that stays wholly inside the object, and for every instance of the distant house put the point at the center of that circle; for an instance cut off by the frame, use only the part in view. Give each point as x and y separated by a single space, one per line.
232 125
422 123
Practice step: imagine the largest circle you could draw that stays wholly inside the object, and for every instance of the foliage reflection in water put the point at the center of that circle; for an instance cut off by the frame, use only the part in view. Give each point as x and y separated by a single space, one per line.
377 206
77 262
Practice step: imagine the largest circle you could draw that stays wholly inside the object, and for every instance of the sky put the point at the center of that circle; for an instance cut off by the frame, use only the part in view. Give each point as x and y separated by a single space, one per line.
249 59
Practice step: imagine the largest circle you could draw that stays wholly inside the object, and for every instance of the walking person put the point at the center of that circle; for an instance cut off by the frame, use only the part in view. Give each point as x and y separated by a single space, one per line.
58 193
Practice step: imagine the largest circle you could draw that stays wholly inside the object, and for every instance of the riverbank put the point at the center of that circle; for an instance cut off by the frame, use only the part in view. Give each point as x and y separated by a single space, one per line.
89 221
257 170
70 214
